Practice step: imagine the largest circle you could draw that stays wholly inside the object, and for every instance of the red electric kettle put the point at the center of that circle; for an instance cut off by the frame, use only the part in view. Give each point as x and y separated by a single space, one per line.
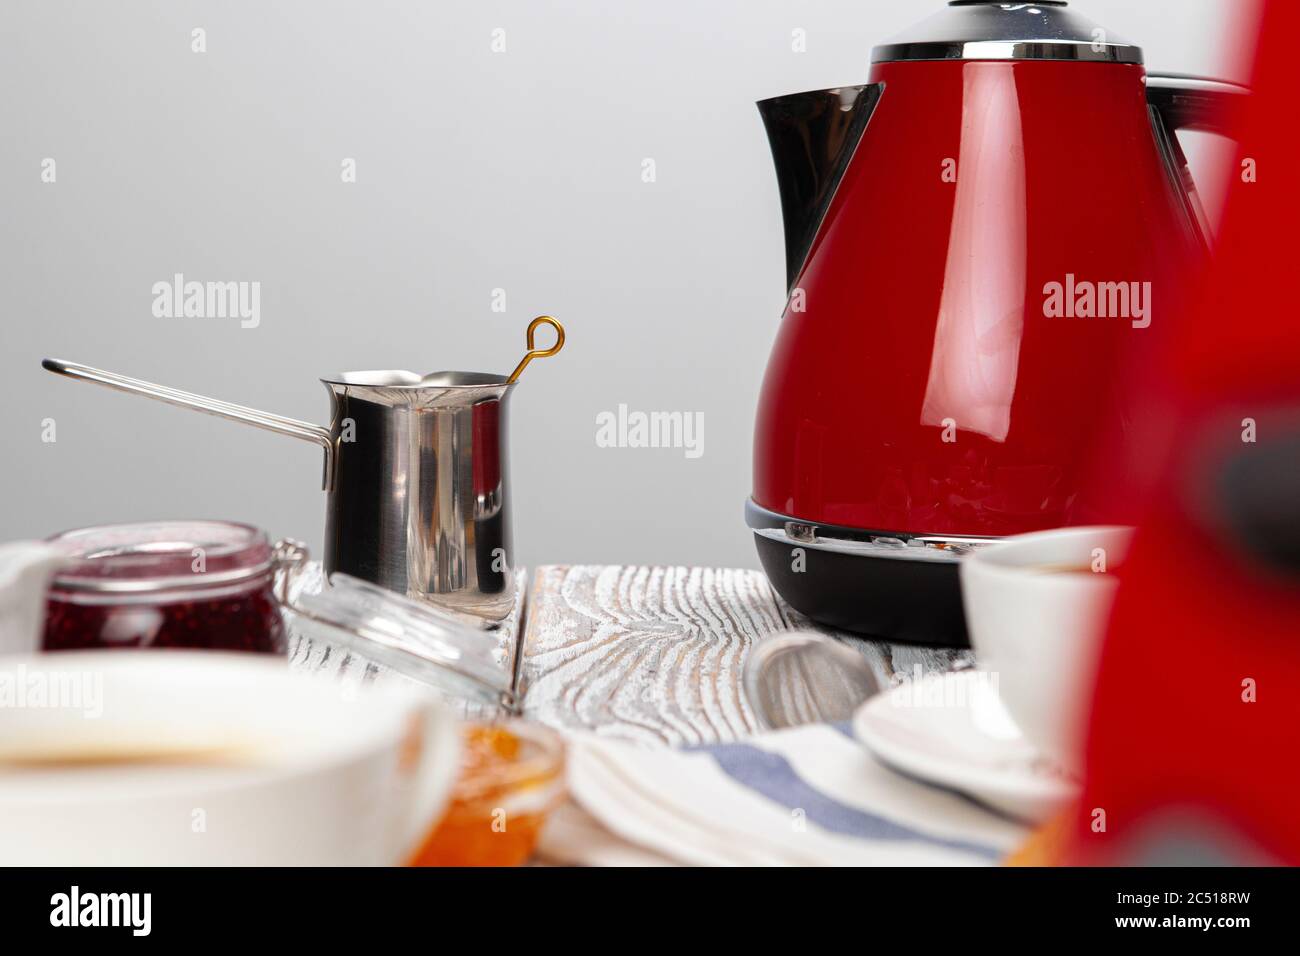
976 240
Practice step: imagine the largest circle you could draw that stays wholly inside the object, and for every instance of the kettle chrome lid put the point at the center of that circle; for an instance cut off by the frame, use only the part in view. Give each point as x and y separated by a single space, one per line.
986 30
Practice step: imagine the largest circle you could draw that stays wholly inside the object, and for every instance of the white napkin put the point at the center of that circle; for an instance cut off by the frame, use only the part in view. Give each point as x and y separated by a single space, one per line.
807 796
25 571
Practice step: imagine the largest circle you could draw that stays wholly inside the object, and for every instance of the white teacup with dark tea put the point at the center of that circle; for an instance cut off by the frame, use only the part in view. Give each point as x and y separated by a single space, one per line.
1036 609
177 757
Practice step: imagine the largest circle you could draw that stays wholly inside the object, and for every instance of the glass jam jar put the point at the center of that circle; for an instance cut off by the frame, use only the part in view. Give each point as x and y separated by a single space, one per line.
190 584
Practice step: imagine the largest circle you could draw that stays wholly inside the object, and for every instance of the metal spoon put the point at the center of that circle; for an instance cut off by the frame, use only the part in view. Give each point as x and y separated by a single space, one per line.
803 677
533 350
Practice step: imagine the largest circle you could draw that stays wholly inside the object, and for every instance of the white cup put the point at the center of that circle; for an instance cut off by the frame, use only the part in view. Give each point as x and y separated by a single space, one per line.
169 758
1038 627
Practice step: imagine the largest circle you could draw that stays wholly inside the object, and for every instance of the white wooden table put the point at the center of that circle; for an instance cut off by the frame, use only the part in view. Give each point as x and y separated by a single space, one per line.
651 654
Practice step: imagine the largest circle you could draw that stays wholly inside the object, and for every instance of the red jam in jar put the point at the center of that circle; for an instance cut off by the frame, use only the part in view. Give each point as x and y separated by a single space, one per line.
191 584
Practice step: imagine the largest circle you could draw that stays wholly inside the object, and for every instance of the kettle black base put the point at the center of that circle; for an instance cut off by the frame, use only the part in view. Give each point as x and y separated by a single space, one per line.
906 602
892 586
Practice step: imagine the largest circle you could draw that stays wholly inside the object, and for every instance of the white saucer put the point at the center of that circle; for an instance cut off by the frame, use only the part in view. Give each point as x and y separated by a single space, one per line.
952 730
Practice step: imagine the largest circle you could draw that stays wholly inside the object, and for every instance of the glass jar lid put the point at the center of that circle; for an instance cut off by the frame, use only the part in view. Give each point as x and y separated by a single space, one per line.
408 636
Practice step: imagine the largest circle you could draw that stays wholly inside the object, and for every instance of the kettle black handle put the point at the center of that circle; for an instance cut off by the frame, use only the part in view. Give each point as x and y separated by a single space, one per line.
1195 102
1181 102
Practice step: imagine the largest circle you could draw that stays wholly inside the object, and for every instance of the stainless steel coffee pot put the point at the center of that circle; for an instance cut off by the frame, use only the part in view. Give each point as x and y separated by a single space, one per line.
415 474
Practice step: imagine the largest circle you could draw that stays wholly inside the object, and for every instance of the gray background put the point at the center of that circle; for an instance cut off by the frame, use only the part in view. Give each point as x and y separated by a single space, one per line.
476 170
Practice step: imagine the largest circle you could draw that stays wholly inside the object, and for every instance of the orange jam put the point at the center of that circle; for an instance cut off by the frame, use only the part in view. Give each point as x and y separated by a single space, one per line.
511 776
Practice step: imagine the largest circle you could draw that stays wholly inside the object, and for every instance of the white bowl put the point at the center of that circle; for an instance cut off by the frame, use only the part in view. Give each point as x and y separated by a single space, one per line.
168 758
1039 631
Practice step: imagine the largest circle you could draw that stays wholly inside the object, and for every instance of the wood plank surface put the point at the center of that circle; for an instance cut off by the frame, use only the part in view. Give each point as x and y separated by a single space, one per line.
656 654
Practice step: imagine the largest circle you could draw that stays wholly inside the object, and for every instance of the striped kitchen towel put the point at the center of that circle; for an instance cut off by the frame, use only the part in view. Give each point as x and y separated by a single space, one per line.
807 796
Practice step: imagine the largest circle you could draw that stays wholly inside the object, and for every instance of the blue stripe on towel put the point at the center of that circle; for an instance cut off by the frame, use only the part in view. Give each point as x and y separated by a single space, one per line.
771 775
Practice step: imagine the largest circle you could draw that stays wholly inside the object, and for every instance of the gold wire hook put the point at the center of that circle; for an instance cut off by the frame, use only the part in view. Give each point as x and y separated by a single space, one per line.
533 351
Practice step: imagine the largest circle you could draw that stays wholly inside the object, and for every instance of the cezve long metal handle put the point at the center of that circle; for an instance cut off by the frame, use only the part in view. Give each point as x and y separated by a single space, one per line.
209 406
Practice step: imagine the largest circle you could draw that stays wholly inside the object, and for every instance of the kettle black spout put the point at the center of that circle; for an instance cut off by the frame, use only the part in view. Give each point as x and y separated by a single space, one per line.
813 138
